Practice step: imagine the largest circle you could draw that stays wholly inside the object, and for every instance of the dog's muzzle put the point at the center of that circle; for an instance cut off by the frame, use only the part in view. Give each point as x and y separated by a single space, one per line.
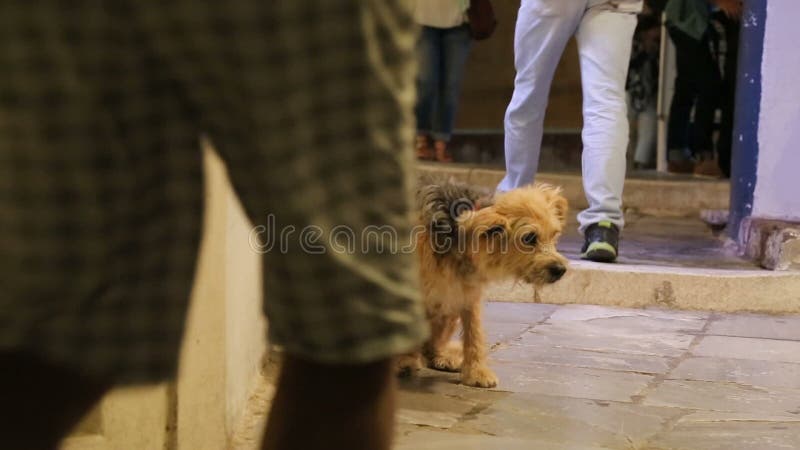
555 272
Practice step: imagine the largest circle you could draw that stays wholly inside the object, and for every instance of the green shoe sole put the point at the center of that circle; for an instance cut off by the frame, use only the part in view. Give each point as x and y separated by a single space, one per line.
600 252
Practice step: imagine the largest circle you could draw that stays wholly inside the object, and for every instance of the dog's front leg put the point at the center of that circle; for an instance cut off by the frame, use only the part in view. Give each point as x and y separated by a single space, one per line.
474 371
408 364
440 352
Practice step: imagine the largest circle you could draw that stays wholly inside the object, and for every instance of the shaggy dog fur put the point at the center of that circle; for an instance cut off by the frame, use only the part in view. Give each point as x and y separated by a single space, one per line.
471 239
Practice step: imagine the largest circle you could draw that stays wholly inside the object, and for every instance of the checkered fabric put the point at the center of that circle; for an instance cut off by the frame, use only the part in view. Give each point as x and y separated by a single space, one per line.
101 106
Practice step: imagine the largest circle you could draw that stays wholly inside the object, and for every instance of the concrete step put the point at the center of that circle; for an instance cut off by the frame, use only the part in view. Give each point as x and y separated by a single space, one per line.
560 151
638 286
645 193
668 262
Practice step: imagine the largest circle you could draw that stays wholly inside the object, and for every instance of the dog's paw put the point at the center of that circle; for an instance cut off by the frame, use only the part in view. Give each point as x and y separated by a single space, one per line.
480 376
449 359
407 365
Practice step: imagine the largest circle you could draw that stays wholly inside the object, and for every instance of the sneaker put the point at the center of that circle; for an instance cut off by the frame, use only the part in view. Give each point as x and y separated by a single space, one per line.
602 242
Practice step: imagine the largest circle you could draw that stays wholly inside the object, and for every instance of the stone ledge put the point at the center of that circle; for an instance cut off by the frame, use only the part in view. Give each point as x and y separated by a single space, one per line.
658 197
638 286
774 244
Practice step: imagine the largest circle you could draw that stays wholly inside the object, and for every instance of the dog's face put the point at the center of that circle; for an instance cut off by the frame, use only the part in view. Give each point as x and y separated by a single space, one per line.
516 236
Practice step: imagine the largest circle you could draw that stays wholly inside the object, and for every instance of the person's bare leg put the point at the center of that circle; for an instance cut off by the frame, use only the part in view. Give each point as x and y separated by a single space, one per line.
332 407
41 402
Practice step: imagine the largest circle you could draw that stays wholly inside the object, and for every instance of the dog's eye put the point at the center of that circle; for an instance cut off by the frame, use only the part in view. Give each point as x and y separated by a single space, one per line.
495 231
530 239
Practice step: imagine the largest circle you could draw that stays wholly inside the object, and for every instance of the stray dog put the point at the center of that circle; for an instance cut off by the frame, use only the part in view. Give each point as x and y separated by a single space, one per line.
470 239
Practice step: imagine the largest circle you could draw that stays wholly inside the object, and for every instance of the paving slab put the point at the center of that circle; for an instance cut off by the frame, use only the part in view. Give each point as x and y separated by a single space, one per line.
503 312
418 408
749 348
651 319
607 338
500 333
749 372
729 436
570 420
757 326
767 402
575 382
437 440
549 354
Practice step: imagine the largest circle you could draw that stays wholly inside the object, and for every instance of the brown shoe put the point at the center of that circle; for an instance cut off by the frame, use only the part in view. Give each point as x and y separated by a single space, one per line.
680 167
442 153
707 167
423 149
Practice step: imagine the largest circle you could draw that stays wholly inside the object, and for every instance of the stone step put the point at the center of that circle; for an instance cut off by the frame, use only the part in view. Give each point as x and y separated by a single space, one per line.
638 286
668 256
560 151
648 194
668 262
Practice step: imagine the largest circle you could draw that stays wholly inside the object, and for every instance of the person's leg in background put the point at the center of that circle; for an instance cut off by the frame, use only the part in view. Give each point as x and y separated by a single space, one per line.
687 53
429 55
646 129
542 32
709 90
604 45
725 142
456 43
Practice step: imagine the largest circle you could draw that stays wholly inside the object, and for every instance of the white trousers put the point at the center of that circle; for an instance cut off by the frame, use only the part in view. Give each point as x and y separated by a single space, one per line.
604 34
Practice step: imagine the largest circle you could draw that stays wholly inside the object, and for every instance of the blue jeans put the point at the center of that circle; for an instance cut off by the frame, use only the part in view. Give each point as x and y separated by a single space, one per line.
442 55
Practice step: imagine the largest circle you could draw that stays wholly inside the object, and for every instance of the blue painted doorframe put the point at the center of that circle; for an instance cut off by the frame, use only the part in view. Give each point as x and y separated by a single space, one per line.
744 161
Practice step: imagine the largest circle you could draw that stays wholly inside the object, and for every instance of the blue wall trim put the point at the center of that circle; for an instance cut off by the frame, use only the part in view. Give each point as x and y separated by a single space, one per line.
744 158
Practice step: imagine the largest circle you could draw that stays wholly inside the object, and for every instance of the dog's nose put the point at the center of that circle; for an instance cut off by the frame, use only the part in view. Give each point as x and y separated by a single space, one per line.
556 271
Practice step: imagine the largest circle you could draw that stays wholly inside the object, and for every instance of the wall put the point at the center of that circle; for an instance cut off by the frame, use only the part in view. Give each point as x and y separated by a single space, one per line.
245 325
201 393
489 80
226 334
778 174
222 351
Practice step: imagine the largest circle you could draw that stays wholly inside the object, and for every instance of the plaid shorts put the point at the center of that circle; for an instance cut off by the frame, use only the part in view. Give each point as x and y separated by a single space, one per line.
102 103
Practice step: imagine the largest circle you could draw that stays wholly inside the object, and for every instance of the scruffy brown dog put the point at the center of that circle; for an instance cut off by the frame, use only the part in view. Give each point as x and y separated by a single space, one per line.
471 239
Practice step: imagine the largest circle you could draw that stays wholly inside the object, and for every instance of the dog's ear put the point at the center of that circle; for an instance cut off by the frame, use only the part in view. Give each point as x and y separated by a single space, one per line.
561 207
486 222
556 202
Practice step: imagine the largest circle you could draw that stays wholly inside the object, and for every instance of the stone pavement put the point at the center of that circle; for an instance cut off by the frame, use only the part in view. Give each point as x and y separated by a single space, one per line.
592 377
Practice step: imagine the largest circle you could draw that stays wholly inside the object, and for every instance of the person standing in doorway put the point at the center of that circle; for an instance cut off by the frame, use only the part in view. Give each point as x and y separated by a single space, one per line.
443 48
604 31
700 85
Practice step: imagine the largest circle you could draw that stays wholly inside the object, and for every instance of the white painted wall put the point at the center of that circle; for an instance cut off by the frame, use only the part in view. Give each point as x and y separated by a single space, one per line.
221 356
226 330
777 192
